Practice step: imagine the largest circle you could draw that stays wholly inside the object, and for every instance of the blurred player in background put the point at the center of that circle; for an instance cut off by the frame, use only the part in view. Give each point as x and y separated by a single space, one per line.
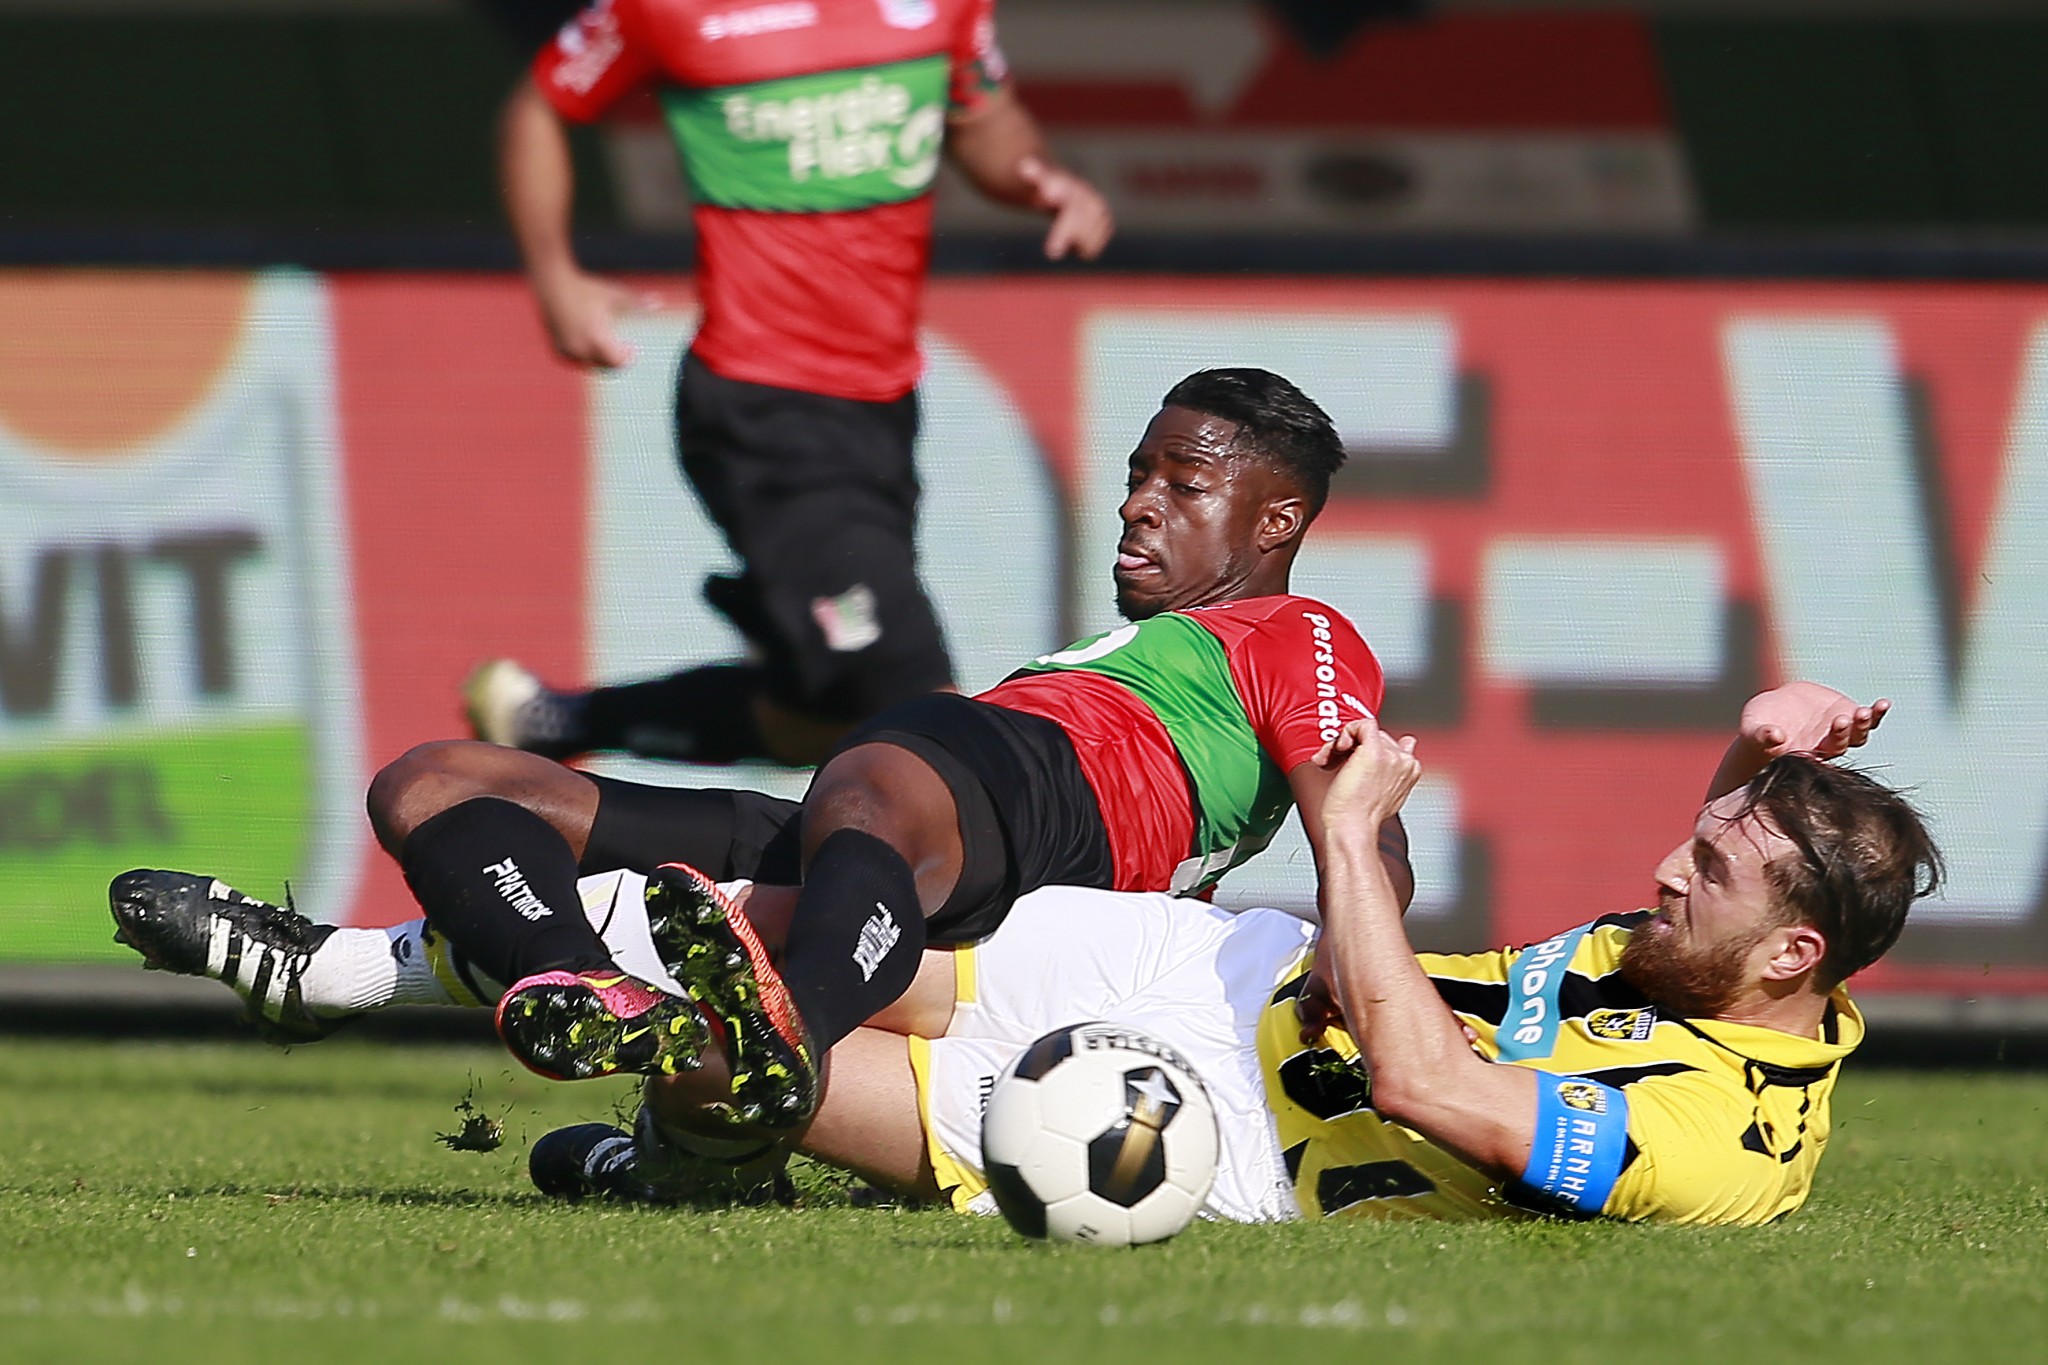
810 132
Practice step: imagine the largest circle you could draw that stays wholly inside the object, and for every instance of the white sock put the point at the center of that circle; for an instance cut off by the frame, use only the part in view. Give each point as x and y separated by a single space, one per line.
410 964
407 964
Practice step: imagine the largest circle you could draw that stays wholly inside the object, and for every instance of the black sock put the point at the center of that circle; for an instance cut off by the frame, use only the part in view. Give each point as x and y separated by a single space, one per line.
704 715
722 833
856 936
499 884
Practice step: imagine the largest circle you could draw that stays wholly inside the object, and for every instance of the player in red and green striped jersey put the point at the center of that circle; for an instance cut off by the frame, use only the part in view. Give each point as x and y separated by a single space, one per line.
1153 757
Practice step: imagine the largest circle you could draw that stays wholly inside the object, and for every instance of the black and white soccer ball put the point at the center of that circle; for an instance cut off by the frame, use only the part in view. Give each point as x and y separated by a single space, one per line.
1099 1134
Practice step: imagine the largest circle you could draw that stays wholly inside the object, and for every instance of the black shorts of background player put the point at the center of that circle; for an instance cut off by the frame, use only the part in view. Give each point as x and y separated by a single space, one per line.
818 496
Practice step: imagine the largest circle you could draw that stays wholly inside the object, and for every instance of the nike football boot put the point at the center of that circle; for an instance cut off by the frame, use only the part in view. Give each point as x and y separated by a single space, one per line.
712 949
598 1161
572 1026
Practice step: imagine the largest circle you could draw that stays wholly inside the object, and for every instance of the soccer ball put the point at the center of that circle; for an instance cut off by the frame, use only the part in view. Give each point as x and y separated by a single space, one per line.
1099 1134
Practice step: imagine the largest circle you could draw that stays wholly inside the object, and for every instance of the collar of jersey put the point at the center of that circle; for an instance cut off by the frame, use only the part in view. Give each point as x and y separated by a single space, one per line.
1789 1049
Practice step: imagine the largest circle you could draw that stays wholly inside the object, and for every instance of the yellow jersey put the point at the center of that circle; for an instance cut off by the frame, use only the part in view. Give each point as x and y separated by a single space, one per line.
1640 1115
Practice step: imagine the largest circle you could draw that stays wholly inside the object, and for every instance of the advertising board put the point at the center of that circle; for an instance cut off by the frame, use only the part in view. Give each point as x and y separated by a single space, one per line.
1580 524
176 659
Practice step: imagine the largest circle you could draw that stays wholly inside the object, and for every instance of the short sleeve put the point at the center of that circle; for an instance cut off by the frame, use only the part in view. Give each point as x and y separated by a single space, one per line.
592 63
1302 673
1690 1165
978 66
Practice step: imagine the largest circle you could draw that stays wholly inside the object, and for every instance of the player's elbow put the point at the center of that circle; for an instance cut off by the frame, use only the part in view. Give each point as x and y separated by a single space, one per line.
1431 1094
1405 1095
526 121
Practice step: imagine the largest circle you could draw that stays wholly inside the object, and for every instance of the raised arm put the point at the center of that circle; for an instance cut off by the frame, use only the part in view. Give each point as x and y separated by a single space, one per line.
1797 718
1424 1072
998 147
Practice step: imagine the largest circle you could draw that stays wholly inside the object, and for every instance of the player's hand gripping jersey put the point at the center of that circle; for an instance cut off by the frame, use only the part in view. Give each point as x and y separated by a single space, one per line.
810 131
1187 724
1638 1116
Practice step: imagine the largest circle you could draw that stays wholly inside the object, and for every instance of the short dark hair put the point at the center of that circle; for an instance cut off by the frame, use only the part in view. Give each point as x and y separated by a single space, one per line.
1276 422
1865 856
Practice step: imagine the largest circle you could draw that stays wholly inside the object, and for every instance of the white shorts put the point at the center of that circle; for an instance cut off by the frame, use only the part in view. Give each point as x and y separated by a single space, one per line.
1194 977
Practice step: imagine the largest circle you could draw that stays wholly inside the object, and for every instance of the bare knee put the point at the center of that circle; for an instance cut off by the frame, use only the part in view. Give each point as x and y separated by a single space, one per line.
418 785
892 794
430 778
846 801
881 790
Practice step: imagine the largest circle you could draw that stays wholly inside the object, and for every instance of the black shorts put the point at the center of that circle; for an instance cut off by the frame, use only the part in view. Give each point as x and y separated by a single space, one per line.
818 496
1028 817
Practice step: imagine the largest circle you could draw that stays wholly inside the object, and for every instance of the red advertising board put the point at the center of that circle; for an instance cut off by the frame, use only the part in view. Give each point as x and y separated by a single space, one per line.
1580 522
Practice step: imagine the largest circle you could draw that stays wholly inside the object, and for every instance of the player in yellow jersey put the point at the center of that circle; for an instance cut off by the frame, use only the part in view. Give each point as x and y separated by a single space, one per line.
1673 1065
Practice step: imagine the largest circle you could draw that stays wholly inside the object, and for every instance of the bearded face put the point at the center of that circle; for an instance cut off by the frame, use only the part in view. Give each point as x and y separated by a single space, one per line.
1679 976
1716 906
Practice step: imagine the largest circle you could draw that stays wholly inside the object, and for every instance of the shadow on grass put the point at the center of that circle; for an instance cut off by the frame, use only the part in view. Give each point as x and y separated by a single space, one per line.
365 1194
279 1196
301 1193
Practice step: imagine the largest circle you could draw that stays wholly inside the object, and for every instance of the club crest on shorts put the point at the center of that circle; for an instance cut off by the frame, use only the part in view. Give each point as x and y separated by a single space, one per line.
850 621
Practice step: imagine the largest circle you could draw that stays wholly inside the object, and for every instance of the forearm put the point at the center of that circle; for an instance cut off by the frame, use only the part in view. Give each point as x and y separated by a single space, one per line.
1743 759
1310 784
1424 1071
537 180
1393 858
1409 1037
990 145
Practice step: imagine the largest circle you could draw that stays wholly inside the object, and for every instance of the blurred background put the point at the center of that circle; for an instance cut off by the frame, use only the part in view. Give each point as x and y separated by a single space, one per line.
1681 346
357 132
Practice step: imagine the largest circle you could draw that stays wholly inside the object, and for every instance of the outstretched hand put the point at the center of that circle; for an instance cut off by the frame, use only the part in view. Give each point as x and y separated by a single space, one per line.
1374 774
1808 718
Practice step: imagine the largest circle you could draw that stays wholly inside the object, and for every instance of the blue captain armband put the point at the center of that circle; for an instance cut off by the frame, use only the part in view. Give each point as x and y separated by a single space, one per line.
1581 1143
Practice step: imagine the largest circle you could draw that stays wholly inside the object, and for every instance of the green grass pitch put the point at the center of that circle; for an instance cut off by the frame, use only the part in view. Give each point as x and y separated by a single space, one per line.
174 1201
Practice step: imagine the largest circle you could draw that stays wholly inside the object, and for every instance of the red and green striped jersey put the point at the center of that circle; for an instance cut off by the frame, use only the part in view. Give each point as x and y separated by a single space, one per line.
1188 723
810 133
